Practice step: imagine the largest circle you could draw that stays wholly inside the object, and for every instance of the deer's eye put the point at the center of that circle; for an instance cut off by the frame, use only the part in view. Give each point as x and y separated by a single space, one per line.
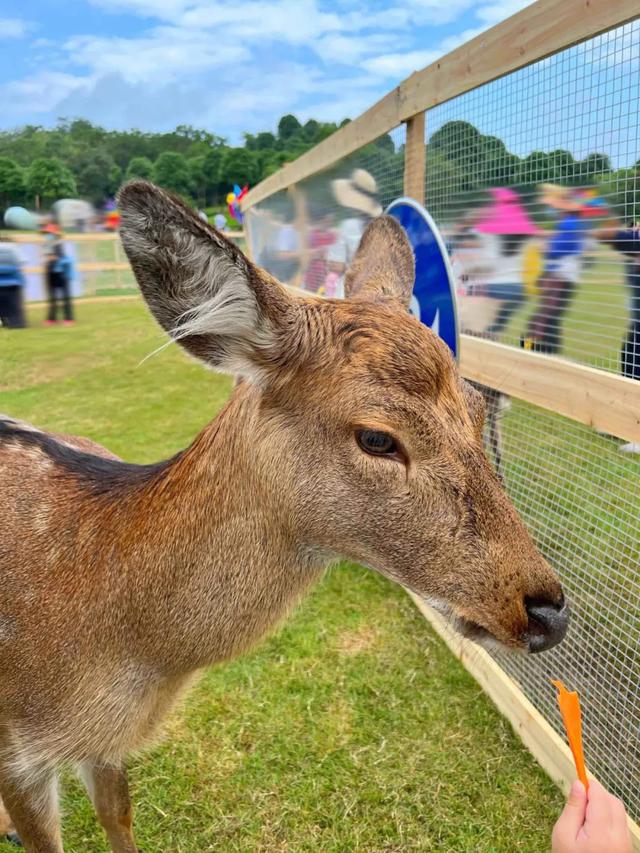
376 443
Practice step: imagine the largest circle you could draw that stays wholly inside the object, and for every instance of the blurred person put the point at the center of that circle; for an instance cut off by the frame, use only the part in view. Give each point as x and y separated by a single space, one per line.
505 230
320 238
626 240
12 282
592 821
473 265
58 271
562 267
359 195
282 255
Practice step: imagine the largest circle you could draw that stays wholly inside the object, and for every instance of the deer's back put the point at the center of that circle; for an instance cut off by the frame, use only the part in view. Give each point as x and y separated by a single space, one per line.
55 597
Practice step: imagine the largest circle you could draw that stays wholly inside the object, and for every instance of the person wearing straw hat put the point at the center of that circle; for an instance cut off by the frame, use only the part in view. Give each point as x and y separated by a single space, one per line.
359 195
562 267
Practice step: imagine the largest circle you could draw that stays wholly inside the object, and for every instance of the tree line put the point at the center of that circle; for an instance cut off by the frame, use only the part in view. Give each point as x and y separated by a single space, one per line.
461 160
79 159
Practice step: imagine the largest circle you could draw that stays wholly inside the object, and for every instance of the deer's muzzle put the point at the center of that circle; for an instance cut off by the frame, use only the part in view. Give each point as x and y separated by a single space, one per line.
548 623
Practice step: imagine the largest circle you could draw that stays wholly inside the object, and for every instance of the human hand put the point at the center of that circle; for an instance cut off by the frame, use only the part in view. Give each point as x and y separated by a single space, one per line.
593 822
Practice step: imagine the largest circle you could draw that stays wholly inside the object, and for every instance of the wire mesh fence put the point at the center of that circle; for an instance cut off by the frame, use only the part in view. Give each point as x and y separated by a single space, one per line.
535 179
307 235
580 499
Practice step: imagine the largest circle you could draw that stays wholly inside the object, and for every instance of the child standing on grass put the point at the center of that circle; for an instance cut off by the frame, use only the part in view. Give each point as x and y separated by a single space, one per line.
59 270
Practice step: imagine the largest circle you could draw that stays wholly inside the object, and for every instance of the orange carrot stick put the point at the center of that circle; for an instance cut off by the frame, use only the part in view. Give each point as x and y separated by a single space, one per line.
569 705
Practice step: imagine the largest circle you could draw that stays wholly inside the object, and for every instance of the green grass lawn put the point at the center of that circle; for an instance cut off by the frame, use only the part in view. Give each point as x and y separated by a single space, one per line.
352 729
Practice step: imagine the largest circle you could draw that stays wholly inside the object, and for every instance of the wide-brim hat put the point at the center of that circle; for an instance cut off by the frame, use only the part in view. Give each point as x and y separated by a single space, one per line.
359 192
561 198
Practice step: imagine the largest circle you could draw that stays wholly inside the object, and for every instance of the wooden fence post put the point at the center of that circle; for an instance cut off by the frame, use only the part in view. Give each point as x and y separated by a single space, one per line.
414 158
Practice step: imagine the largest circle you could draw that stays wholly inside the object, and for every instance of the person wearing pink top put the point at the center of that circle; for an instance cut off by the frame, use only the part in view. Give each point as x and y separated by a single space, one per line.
504 228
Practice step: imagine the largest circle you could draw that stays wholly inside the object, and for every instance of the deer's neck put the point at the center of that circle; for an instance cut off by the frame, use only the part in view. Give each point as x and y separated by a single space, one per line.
211 558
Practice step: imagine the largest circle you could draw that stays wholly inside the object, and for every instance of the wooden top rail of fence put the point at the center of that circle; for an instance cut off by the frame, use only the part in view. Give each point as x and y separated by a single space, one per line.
540 30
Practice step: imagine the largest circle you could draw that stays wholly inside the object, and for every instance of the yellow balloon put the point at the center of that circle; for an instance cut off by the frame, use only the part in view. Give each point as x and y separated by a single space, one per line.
231 198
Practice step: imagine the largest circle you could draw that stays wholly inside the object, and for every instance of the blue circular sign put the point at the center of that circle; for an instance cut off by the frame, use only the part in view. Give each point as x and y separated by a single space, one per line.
433 301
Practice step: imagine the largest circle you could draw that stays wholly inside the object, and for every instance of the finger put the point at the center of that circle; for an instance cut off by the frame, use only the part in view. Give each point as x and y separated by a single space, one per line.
599 802
573 814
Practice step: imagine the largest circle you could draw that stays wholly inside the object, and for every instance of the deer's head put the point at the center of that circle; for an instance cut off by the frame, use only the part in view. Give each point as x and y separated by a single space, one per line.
359 418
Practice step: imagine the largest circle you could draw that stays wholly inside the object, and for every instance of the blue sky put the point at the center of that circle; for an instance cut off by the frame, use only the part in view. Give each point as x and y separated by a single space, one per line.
227 67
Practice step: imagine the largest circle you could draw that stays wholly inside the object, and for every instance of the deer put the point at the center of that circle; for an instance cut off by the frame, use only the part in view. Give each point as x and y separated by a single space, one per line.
349 434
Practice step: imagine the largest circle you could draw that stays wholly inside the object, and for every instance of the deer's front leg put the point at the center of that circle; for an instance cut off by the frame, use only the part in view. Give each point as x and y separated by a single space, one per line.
109 791
33 807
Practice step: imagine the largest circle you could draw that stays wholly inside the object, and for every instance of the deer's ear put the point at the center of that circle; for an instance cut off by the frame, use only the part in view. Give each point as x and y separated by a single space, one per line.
384 265
199 286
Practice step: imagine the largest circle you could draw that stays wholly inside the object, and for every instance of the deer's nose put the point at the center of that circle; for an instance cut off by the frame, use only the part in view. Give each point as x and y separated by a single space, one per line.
548 623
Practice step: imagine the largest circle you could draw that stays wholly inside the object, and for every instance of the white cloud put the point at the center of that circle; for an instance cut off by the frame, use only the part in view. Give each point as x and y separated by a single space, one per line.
39 93
14 28
493 13
435 12
163 9
287 21
350 49
401 65
166 54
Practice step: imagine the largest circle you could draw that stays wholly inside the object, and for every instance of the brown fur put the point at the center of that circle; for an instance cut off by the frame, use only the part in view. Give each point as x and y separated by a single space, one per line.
120 582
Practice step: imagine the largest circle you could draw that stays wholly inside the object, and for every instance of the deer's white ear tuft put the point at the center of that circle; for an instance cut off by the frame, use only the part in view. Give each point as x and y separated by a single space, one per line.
199 286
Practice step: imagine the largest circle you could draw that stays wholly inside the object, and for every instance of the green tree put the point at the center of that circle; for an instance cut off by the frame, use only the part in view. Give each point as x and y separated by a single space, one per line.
594 164
12 182
564 169
443 183
99 177
196 166
310 130
140 167
49 180
115 179
385 143
265 141
212 168
171 171
460 143
288 127
238 167
536 168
